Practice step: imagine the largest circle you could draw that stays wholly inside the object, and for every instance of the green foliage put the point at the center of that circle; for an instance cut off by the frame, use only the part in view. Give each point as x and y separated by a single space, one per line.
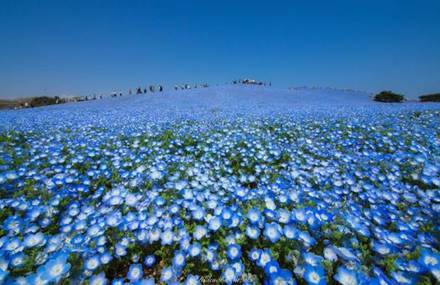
430 98
388 97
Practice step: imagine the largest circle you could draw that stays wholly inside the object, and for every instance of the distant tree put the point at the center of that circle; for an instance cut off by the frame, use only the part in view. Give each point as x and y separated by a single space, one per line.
430 98
388 97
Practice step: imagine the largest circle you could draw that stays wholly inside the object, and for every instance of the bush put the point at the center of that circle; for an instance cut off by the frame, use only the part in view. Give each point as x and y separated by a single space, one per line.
430 98
388 97
43 101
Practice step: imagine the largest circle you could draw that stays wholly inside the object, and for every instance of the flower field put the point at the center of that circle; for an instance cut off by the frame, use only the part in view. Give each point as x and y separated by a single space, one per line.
117 195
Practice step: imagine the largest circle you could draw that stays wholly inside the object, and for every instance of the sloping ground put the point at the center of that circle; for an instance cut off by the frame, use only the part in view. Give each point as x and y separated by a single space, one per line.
199 104
223 184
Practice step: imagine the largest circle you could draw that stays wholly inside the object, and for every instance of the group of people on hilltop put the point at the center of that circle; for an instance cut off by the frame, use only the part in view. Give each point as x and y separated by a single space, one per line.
137 91
151 88
251 82
188 86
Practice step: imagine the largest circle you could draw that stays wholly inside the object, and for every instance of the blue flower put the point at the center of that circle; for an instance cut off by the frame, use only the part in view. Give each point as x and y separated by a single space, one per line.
233 251
272 232
33 240
149 261
192 280
199 232
271 267
215 223
265 257
92 263
312 259
254 216
314 275
229 274
195 249
167 237
429 259
135 272
346 276
55 268
254 254
403 278
149 281
167 275
282 276
179 260
253 232
98 279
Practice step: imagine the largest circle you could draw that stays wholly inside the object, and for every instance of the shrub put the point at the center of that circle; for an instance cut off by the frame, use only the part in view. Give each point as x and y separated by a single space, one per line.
388 97
43 101
430 98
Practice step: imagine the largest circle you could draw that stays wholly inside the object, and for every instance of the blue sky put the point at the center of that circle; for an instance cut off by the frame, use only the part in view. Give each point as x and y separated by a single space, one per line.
85 47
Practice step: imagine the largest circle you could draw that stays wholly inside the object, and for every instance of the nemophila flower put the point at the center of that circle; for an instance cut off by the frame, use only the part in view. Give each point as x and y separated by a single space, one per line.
118 281
290 232
254 254
198 213
98 279
199 232
346 276
149 261
282 277
120 250
307 239
167 275
92 263
192 280
312 259
215 223
148 281
211 255
94 231
195 249
233 251
330 253
271 267
105 258
429 259
55 269
167 237
135 272
229 275
17 260
226 213
265 257
179 259
314 275
346 254
13 245
34 240
403 278
283 216
383 249
272 232
252 232
254 216
300 215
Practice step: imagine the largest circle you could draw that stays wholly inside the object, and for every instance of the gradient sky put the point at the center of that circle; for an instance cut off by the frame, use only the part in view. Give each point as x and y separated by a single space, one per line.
83 47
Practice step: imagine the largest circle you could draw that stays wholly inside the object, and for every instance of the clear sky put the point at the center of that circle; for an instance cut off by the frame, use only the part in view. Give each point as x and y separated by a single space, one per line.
85 47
